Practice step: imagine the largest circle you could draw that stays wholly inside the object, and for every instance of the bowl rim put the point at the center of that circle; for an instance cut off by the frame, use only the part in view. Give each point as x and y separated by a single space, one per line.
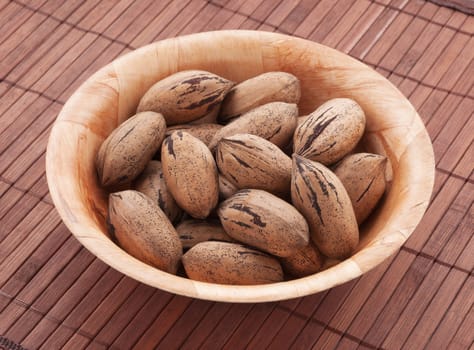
103 248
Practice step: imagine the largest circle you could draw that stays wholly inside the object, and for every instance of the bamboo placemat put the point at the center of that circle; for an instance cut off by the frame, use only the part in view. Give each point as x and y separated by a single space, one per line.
54 294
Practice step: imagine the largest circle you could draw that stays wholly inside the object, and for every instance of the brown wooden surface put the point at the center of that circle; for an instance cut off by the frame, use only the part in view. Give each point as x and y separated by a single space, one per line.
54 294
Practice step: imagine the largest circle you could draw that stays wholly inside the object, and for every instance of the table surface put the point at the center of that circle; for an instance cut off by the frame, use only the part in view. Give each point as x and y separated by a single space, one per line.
55 294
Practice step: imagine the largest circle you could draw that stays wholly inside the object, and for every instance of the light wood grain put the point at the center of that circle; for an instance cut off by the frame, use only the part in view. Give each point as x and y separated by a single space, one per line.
111 95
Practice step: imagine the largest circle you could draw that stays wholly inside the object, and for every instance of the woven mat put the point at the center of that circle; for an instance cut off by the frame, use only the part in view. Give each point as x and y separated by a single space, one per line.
54 294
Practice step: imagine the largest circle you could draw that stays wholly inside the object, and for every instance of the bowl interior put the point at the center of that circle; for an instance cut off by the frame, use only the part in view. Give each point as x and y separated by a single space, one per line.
111 95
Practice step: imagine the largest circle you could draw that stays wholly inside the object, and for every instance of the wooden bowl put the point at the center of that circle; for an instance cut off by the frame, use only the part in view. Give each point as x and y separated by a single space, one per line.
111 95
